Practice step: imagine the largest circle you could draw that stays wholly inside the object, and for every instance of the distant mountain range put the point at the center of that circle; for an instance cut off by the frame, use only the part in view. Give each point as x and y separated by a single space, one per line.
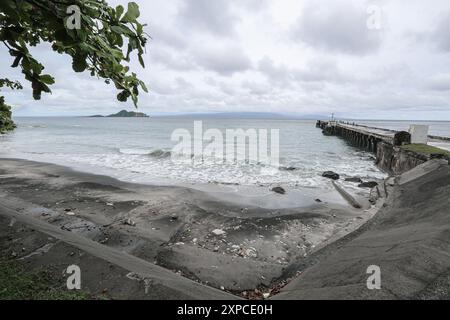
123 114
242 115
218 115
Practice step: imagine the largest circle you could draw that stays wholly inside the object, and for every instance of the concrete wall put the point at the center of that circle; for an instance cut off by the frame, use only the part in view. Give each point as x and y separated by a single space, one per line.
396 160
419 133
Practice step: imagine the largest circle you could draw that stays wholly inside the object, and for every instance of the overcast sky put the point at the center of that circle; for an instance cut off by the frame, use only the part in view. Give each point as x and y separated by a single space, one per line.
360 59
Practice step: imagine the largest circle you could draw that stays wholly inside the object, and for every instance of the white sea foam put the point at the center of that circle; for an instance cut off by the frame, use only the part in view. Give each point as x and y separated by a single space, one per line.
135 151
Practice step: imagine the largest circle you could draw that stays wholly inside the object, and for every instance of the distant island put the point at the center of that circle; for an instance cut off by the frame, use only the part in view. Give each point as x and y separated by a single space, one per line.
123 114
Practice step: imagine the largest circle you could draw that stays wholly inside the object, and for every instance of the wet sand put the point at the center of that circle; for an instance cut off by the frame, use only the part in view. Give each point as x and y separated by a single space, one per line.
224 244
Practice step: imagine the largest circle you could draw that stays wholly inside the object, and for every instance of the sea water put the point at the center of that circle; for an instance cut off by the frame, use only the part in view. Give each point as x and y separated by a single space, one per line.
139 150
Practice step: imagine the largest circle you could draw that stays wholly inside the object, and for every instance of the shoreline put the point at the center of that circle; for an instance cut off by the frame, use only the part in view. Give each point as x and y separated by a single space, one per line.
241 194
175 227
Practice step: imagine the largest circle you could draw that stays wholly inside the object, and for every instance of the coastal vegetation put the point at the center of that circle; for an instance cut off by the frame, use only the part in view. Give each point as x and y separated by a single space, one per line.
426 149
101 43
123 114
18 283
6 123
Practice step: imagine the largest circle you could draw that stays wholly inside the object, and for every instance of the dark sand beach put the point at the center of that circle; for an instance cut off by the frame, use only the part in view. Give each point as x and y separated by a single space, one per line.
179 238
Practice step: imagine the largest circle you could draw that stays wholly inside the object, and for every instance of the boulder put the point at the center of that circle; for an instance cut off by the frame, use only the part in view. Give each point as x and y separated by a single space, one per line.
279 190
218 232
354 179
330 175
369 184
288 168
129 222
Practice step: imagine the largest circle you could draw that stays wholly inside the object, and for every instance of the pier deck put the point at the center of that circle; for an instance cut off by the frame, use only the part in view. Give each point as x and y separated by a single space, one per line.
393 149
364 136
377 134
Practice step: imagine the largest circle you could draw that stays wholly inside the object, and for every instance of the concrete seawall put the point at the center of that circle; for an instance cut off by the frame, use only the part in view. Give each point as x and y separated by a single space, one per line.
386 144
408 240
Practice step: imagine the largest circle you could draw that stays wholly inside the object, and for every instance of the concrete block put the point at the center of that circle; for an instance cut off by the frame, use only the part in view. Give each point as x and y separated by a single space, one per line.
419 133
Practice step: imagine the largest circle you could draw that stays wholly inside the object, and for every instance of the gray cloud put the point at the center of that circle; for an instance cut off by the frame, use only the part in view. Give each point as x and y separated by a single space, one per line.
278 73
225 59
340 28
174 60
161 35
441 34
284 56
316 70
321 70
208 16
439 82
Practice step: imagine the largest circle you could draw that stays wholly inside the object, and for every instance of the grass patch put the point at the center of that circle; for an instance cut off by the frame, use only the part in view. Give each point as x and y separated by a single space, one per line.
425 149
18 284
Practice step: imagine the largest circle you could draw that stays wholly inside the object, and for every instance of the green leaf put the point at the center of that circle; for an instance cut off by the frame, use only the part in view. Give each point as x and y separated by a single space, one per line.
144 87
119 11
141 61
97 48
16 61
79 63
132 13
47 79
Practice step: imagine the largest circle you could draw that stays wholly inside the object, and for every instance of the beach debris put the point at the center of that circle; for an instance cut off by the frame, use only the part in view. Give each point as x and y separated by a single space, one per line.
218 232
318 200
354 179
288 168
70 213
251 252
12 222
129 222
222 288
278 190
194 240
216 249
266 295
109 204
173 218
330 175
369 184
179 244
